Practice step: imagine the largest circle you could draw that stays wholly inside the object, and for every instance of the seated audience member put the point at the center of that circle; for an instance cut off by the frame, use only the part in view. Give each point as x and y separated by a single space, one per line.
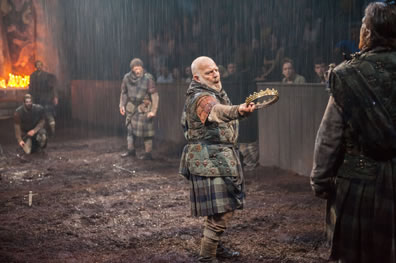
231 68
176 75
165 76
263 74
320 71
273 55
290 76
230 75
187 77
223 71
345 48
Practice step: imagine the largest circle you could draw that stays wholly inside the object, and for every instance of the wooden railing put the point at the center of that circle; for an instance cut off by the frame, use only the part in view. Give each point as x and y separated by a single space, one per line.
287 129
10 100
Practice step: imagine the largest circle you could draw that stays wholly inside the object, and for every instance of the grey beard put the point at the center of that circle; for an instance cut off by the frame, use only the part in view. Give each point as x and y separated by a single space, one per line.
217 87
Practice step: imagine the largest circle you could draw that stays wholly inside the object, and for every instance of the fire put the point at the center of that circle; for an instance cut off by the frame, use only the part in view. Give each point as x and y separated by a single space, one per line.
15 81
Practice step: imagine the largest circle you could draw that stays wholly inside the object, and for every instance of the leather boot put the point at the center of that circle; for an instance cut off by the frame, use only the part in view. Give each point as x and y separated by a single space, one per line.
131 153
208 250
148 147
223 252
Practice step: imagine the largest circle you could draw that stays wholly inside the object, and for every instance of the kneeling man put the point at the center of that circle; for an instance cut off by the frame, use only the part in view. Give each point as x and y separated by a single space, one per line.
29 125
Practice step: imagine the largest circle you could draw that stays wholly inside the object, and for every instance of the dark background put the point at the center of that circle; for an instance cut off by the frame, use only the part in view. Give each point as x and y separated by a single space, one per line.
100 37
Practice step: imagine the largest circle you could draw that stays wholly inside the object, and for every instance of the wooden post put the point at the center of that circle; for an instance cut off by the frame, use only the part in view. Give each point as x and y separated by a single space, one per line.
30 198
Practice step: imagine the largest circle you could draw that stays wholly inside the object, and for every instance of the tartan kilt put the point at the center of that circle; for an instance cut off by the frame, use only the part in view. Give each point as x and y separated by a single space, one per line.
142 126
361 216
215 195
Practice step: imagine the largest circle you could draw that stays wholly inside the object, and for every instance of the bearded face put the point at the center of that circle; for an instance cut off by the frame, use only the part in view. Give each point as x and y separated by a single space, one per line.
28 104
216 85
209 75
138 70
39 65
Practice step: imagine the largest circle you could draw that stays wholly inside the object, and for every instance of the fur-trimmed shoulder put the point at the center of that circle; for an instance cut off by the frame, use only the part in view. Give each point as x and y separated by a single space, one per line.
148 76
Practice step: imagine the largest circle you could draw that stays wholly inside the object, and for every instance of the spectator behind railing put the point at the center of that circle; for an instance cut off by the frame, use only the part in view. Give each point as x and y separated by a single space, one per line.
259 48
272 59
165 76
176 75
230 73
319 71
231 68
222 71
290 75
187 77
344 48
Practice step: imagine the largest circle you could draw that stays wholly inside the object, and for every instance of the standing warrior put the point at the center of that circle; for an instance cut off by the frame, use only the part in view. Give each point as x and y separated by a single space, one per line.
355 150
139 102
29 125
210 160
42 87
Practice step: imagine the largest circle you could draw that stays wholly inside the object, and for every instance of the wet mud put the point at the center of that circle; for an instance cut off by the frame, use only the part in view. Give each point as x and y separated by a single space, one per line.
90 205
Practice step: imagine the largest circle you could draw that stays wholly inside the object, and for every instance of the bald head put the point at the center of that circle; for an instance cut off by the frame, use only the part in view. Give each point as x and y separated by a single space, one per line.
205 71
199 63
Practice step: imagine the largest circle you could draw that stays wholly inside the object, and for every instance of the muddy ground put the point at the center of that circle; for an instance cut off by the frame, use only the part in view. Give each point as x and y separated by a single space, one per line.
90 205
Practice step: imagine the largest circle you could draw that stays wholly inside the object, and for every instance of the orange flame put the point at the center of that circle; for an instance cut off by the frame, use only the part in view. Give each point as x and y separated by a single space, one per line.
15 81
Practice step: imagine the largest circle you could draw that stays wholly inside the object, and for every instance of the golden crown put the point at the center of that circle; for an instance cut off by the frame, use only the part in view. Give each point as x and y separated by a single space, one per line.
261 93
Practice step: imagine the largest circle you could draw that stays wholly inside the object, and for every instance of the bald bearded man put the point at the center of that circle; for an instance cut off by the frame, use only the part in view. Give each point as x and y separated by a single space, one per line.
210 160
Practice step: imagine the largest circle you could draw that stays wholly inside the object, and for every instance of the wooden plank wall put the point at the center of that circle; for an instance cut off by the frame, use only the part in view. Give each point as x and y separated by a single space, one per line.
287 129
172 98
96 103
10 99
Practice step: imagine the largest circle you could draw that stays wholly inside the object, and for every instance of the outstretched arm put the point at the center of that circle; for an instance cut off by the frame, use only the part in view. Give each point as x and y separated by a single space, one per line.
209 109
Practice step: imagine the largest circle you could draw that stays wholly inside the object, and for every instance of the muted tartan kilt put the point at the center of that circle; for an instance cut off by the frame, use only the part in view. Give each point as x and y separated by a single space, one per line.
214 195
141 125
361 217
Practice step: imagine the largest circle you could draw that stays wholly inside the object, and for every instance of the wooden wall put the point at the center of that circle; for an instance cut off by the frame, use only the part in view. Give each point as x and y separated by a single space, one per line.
96 103
10 99
287 129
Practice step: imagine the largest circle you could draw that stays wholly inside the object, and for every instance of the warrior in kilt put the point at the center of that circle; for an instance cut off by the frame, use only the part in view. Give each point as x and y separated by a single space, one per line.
139 103
355 150
210 160
43 89
29 126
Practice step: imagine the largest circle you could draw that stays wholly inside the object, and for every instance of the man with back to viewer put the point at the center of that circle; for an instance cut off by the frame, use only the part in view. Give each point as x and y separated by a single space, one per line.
355 151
